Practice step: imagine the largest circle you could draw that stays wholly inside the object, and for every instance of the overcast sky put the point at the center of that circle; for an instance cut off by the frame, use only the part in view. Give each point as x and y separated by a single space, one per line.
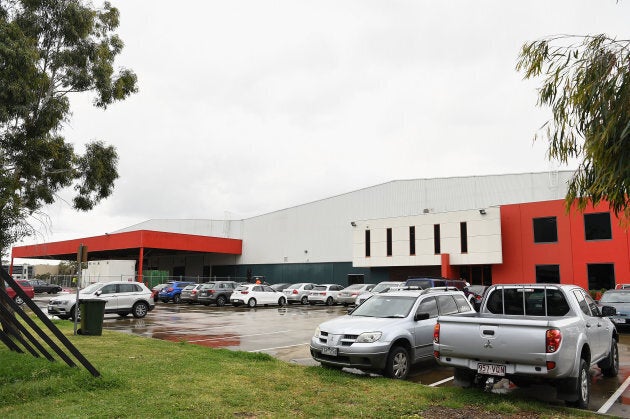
246 107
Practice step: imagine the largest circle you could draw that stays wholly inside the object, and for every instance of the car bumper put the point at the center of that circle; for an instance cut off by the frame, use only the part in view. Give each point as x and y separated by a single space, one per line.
58 310
366 356
346 300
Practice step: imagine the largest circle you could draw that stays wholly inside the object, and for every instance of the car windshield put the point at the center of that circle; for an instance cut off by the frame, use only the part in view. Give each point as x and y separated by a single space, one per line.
615 297
189 287
320 288
354 287
207 286
385 306
294 286
242 288
92 288
381 288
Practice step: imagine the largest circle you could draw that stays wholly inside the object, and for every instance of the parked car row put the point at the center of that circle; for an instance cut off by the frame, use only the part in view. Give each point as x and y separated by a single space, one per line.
31 287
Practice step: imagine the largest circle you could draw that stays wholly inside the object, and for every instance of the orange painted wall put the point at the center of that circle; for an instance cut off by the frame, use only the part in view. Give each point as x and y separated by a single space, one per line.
572 252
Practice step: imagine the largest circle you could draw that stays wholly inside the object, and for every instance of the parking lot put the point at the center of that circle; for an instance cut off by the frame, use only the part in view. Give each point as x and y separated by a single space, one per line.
285 332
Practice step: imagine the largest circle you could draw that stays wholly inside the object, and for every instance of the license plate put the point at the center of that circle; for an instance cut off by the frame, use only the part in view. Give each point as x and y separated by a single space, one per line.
329 351
491 369
619 320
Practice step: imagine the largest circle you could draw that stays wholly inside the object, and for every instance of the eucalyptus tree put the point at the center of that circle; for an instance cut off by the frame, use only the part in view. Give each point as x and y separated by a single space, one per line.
586 82
50 50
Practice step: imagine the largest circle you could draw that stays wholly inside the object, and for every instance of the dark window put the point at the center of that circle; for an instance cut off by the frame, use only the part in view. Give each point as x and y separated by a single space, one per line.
428 305
436 239
412 240
601 275
549 274
545 230
367 243
389 242
463 230
597 226
462 303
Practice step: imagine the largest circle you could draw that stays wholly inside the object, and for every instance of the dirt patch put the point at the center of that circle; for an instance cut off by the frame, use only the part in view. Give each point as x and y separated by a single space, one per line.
473 412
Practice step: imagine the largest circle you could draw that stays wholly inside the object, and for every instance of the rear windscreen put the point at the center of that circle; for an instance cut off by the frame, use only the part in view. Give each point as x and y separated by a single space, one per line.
527 302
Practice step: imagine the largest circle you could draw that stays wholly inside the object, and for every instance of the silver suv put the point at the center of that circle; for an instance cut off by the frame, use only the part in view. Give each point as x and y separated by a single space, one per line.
388 332
122 298
298 293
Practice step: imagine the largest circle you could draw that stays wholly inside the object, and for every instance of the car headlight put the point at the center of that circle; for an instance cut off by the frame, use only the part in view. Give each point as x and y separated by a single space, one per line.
369 337
316 335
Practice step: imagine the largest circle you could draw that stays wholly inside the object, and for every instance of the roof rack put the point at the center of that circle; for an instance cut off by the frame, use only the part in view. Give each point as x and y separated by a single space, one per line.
433 289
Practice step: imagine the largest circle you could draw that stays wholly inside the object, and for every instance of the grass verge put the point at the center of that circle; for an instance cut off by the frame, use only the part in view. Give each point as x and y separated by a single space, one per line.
151 378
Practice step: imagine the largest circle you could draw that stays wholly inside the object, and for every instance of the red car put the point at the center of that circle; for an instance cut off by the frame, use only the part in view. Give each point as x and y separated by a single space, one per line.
26 287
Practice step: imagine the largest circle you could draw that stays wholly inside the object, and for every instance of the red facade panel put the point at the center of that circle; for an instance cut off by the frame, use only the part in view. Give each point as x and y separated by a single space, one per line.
572 252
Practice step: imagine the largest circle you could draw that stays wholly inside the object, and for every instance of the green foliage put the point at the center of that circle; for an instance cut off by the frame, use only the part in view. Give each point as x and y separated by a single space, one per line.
586 82
50 49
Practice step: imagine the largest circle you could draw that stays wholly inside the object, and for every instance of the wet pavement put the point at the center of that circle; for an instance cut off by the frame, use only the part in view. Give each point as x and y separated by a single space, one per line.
285 333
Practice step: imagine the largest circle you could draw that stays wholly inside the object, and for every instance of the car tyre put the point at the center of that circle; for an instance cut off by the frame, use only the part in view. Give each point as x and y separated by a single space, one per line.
304 300
397 365
221 300
71 315
583 388
282 301
18 300
140 309
329 301
177 299
463 378
610 367
251 303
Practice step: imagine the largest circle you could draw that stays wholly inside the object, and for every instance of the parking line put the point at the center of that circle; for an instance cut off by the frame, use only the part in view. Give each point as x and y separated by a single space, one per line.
446 380
279 347
614 397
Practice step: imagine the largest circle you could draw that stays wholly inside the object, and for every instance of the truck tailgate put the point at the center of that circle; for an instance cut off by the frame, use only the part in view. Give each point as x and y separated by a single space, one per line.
516 340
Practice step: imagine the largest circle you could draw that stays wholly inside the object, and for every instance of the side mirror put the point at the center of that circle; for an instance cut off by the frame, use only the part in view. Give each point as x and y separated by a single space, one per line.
608 311
98 293
421 316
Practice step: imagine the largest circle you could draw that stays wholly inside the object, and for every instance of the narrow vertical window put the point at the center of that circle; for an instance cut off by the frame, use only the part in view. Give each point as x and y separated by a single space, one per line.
463 230
367 243
389 242
436 239
412 240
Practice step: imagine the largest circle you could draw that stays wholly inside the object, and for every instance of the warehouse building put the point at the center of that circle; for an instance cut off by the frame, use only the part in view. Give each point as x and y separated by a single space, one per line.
486 229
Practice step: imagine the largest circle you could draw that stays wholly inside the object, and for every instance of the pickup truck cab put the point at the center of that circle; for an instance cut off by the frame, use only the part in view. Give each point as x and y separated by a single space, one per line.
531 333
387 333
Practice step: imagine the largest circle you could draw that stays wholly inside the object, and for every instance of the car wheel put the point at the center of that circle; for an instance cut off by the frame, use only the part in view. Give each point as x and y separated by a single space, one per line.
140 309
304 300
329 301
72 311
177 299
18 300
221 300
610 367
463 377
397 363
125 314
583 390
251 303
282 301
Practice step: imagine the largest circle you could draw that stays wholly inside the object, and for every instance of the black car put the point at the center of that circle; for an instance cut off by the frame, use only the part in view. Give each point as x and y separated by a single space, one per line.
41 286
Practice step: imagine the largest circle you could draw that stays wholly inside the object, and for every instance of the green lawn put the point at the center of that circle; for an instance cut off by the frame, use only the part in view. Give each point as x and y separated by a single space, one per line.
144 377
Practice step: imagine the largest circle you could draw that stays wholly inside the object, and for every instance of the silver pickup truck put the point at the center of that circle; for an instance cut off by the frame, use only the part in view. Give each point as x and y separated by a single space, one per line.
531 333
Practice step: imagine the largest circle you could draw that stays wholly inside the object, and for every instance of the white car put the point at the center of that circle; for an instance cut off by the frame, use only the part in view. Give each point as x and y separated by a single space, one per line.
349 294
381 287
298 293
257 294
324 294
122 298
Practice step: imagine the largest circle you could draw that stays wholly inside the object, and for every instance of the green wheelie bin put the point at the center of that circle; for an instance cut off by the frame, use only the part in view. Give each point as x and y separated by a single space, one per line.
92 313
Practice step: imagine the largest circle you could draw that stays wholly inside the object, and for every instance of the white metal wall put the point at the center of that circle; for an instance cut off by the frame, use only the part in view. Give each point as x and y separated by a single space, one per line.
483 236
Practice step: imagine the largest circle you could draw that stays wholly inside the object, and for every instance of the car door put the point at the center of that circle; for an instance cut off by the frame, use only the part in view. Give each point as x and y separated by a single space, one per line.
109 293
423 329
595 328
127 295
270 295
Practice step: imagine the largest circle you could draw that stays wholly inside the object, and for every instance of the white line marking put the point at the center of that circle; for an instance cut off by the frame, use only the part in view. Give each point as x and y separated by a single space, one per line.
446 380
279 347
614 397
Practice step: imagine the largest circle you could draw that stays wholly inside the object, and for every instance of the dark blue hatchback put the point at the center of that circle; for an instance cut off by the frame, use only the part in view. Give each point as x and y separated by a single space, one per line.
173 291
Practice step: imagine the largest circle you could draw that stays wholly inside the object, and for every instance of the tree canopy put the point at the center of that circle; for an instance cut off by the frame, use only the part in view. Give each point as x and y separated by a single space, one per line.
586 82
50 49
